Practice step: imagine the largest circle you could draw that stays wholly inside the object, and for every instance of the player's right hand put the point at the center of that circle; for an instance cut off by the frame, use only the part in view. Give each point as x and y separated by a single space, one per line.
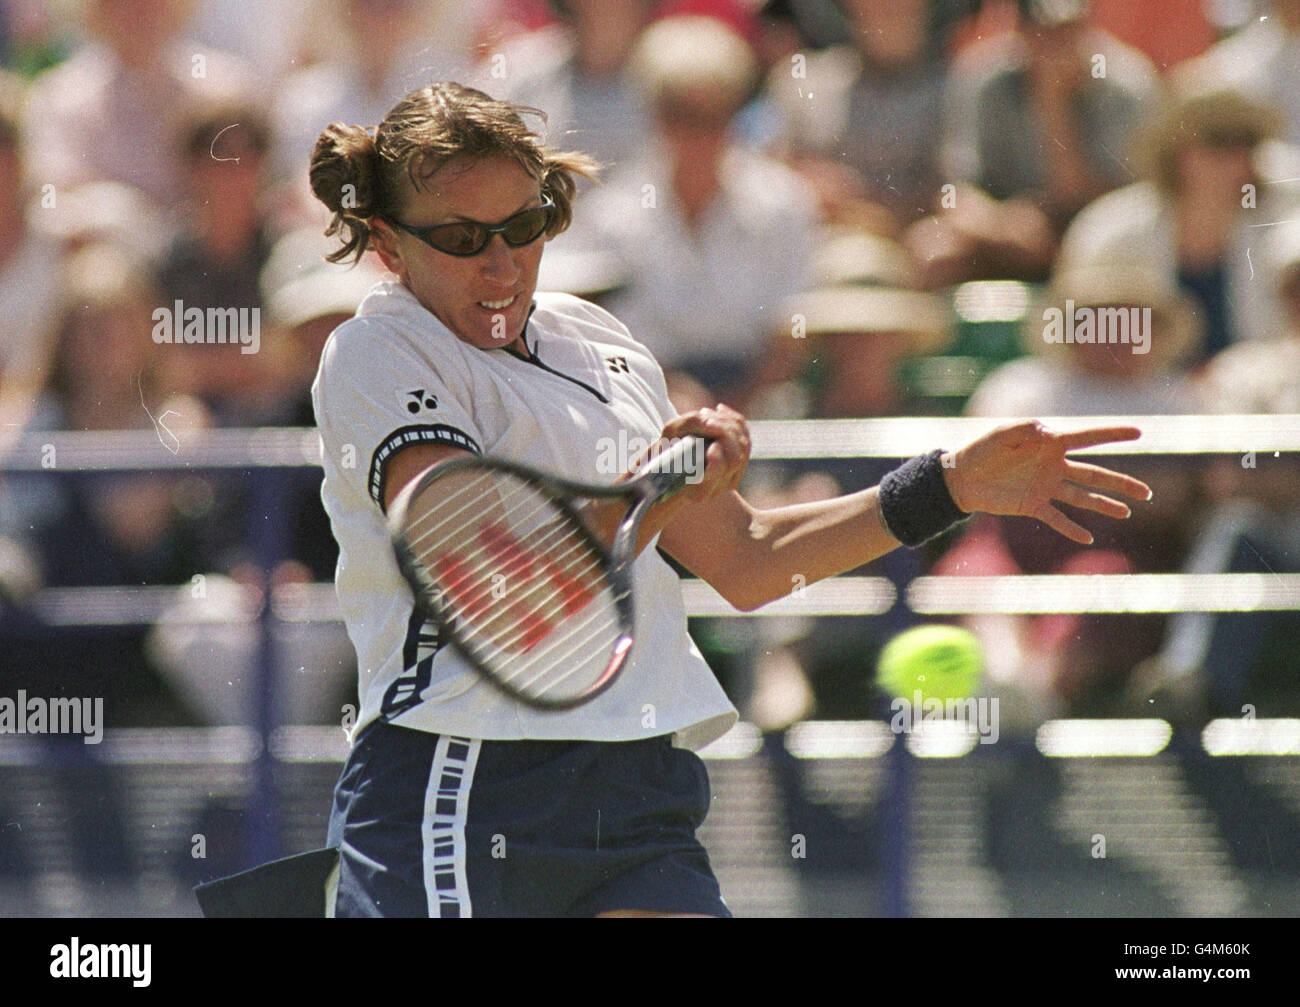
727 457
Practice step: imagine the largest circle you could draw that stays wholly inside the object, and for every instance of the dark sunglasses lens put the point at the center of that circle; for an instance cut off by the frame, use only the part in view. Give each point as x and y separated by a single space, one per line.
458 239
527 227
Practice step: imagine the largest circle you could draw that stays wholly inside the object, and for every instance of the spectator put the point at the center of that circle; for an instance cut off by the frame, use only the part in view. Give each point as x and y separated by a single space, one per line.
113 111
1263 62
31 37
1065 662
1040 122
215 260
1167 32
862 122
712 237
98 213
306 298
31 279
1263 376
104 363
267 35
107 530
381 49
1212 663
1214 184
589 271
576 74
862 321
1143 375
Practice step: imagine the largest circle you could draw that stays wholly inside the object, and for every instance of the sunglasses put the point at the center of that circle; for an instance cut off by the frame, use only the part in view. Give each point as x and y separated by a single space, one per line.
466 238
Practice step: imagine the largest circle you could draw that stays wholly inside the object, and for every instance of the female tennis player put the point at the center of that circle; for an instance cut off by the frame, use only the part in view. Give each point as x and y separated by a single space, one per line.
456 799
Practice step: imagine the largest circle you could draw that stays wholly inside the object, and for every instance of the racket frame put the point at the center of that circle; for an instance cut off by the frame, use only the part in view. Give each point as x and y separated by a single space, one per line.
656 482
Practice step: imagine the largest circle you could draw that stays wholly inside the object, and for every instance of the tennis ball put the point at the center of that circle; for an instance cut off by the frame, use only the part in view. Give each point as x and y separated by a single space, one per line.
940 662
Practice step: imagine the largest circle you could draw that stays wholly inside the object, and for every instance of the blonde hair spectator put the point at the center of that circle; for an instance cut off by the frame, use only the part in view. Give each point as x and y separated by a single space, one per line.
688 53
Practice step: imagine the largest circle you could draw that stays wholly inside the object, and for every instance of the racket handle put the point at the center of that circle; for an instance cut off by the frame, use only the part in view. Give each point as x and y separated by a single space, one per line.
675 466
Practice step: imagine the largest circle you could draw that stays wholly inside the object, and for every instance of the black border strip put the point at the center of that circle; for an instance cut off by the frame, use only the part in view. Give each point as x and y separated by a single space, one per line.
428 433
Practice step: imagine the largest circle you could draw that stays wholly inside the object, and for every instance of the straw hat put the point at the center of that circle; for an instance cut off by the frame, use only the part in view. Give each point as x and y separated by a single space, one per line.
1176 324
1203 111
584 269
864 285
1053 13
298 285
691 52
1284 243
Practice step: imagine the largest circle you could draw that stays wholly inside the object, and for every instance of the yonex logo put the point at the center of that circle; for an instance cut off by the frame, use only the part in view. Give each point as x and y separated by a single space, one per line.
417 400
618 365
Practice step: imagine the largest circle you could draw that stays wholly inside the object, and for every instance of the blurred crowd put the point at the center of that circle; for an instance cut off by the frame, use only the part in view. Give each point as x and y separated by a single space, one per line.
808 209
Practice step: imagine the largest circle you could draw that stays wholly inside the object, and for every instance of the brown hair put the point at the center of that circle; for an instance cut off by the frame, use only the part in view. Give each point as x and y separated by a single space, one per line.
220 131
424 131
101 278
1197 114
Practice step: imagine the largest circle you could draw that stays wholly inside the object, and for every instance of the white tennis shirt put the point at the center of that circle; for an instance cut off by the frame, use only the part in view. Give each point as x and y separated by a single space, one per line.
394 375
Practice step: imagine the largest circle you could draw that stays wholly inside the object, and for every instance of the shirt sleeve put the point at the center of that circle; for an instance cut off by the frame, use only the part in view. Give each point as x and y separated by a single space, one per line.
374 396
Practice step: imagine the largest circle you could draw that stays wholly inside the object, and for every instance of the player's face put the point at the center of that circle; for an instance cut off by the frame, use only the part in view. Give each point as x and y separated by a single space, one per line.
483 299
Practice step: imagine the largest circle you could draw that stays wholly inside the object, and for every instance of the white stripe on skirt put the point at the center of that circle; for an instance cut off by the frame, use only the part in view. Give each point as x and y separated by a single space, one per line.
446 807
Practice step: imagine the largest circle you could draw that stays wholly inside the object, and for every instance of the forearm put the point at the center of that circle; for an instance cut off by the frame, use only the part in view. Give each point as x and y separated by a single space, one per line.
752 556
604 516
804 543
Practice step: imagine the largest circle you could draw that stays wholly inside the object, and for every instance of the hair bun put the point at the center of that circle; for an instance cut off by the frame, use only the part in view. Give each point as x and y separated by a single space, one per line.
344 178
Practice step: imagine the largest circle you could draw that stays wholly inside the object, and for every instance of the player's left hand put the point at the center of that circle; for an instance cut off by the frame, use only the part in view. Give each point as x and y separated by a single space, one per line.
1021 468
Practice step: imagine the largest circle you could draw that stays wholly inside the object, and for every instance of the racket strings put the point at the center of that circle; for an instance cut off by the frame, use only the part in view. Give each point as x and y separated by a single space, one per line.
539 546
520 489
515 644
558 650
561 657
532 669
534 652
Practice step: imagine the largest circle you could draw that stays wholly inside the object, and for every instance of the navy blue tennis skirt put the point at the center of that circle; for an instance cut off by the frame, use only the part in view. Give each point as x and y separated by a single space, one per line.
431 825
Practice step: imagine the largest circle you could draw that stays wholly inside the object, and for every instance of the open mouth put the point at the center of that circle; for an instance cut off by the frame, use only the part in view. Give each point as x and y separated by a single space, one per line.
497 305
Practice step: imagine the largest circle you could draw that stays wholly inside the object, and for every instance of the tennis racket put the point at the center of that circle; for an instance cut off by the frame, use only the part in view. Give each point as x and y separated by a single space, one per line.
499 557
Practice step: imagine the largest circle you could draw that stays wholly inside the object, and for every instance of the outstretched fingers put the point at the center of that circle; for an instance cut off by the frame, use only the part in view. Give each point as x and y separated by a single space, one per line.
1076 496
1058 522
1097 435
1097 478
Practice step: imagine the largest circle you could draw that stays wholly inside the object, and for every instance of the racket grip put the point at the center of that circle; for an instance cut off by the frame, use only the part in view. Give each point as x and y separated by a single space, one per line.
677 465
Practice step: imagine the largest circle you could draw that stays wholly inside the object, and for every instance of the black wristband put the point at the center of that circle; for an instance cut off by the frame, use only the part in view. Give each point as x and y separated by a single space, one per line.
915 502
